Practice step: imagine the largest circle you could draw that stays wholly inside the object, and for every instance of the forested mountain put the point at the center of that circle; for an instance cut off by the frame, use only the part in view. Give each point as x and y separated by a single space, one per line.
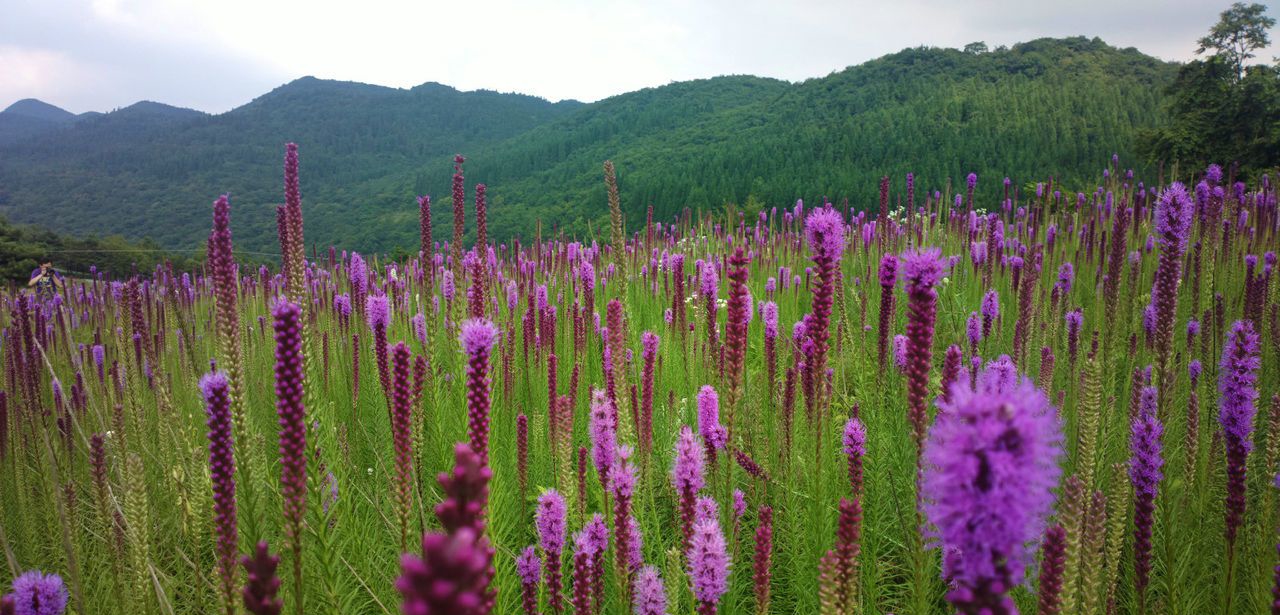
1046 106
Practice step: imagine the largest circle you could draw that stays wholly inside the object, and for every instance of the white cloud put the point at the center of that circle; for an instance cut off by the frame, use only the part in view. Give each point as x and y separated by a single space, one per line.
217 54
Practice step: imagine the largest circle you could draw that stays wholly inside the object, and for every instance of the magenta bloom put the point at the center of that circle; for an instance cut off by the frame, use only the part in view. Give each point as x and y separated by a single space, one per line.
855 448
650 597
769 313
222 471
990 311
990 468
687 477
900 352
35 593
824 231
922 269
713 433
477 337
377 312
451 576
528 568
292 416
708 562
549 519
1237 382
262 584
604 443
1145 474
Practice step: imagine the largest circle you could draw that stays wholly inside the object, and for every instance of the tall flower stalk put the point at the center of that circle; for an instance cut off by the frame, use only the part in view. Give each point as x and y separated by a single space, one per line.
478 337
402 438
1145 473
222 469
293 433
1173 217
1237 383
921 271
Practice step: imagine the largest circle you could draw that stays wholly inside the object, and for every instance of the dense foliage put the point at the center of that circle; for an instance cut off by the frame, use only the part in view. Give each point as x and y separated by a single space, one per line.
1047 104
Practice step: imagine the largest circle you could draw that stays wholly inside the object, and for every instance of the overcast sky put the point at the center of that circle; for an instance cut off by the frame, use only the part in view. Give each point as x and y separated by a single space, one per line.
214 55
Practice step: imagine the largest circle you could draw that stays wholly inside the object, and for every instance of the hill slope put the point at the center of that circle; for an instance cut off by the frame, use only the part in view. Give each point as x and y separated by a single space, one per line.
1050 105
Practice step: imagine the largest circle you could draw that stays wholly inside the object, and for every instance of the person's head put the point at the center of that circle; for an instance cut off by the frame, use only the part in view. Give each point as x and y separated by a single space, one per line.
45 266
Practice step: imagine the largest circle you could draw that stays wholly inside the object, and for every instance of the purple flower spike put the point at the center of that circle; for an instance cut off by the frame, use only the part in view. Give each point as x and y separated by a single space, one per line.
990 467
708 563
1237 382
35 593
222 471
713 433
292 416
650 595
477 338
451 576
1145 474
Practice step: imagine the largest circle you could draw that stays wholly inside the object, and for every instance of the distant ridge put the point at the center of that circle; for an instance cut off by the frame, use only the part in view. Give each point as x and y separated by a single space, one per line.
1048 106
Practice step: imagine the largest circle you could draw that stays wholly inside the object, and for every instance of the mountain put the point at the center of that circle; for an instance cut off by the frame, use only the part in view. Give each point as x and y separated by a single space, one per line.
1046 106
30 117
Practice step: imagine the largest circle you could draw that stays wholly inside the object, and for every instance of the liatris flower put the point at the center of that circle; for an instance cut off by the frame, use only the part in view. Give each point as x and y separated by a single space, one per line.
714 435
951 365
222 268
459 209
922 269
402 437
1173 217
709 286
824 231
452 575
1237 383
550 522
1051 570
1145 474
848 536
888 278
750 466
466 492
426 247
604 443
528 568
477 337
687 477
622 484
650 596
855 448
763 559
990 312
296 255
769 314
261 583
595 538
35 593
583 554
293 430
222 470
649 353
6 605
900 352
708 563
1075 318
989 470
973 329
377 312
737 314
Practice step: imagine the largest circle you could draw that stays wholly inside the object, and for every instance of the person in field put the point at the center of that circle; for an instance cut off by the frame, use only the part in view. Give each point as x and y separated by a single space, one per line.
46 280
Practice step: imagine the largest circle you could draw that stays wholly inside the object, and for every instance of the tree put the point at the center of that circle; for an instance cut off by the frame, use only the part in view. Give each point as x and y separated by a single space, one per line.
1240 30
976 48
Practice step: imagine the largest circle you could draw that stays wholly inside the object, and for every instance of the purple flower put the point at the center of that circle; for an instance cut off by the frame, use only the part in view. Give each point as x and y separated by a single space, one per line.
709 279
824 231
1237 382
377 312
855 448
549 519
35 593
528 566
1066 274
222 470
973 329
709 427
739 503
1145 474
708 562
706 508
769 313
451 576
1193 371
292 417
900 351
420 328
261 582
990 467
477 338
686 471
594 535
650 596
1213 174
604 443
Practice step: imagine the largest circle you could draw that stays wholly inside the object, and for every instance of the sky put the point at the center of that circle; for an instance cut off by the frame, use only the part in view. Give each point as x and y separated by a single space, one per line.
214 55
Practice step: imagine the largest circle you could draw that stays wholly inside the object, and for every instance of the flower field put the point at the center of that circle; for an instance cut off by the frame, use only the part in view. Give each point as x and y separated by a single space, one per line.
1050 402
